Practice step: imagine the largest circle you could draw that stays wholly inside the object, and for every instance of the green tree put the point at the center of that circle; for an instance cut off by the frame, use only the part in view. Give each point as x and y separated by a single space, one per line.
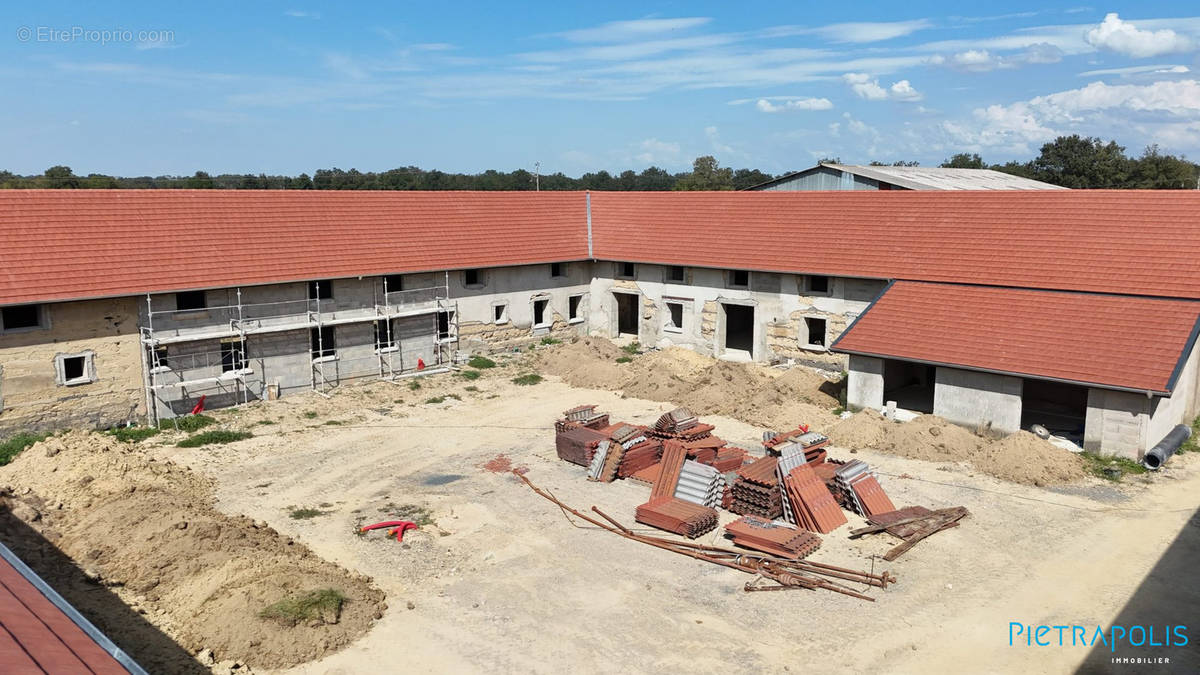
963 160
1157 171
199 181
60 177
1078 162
744 178
707 174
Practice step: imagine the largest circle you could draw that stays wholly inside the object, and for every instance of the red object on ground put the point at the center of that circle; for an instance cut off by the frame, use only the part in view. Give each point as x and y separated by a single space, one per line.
199 408
399 527
420 364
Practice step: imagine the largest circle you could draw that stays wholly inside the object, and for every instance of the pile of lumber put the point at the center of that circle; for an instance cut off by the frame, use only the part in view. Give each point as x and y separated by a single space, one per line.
768 537
912 524
678 516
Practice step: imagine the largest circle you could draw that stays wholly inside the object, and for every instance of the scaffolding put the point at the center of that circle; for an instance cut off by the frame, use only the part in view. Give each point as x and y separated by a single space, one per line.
233 323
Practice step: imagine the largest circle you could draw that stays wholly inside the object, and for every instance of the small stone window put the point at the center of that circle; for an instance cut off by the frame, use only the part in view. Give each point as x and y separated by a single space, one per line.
626 270
394 282
190 300
320 290
674 317
575 308
739 278
500 313
233 355
816 331
472 278
322 342
22 317
676 274
818 284
540 314
385 338
558 270
75 369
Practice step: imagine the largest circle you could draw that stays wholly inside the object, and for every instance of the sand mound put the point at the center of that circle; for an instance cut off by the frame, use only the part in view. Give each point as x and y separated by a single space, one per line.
150 527
1020 457
706 386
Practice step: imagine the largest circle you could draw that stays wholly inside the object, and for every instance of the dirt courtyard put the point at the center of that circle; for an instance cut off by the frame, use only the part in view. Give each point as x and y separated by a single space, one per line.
503 582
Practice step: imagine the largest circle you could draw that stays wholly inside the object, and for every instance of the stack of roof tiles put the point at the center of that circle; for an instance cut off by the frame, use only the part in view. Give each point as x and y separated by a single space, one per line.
673 457
813 506
728 458
678 516
780 540
811 442
640 456
860 489
677 421
700 484
756 490
581 416
578 445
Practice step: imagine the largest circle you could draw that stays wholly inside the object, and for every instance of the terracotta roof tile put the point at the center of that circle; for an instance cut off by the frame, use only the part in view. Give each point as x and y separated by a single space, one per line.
1107 340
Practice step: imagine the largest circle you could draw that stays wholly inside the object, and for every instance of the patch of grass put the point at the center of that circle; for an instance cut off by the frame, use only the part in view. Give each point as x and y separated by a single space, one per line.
189 423
15 445
1110 468
527 379
213 437
305 514
310 415
414 385
551 340
435 400
471 388
1192 444
632 348
266 422
414 512
481 362
324 604
624 359
334 423
838 411
470 374
132 434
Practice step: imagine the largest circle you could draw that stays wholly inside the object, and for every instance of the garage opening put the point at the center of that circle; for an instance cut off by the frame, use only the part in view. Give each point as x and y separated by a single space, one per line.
739 327
909 384
1060 407
627 314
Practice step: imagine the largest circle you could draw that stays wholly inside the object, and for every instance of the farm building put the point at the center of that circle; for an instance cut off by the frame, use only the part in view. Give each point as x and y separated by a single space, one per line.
830 176
1072 309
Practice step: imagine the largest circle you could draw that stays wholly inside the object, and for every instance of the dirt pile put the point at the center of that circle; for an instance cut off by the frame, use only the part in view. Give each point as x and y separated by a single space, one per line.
706 386
149 528
1020 457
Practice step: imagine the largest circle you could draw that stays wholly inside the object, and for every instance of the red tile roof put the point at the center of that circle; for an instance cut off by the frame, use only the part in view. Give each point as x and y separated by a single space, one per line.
74 244
38 637
1111 341
1116 241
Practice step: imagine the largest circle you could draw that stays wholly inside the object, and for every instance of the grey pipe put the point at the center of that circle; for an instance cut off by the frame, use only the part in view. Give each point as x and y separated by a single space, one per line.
1166 447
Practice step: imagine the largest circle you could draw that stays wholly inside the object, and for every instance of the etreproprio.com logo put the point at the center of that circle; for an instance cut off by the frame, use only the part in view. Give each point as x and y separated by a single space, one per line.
1041 635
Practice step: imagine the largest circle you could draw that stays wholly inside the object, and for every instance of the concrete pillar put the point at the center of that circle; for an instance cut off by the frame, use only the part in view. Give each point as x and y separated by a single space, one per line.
865 386
979 401
1117 423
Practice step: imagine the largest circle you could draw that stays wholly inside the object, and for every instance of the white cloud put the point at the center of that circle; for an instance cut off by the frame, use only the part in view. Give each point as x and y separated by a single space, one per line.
982 60
302 14
855 32
792 104
868 88
865 87
714 140
654 151
1123 37
1163 69
621 31
903 91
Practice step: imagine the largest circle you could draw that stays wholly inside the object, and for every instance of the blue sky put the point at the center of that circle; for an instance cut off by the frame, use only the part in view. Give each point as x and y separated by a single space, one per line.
290 87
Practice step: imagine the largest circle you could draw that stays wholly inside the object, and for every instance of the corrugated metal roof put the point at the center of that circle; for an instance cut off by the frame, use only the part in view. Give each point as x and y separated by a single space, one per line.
1106 340
938 178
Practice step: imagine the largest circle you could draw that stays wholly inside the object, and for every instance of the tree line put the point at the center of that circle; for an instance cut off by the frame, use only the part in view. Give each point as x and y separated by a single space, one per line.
1069 161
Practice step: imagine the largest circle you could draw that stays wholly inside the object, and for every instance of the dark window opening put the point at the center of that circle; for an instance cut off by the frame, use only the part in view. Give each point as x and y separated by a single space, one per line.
675 315
573 304
322 342
500 313
233 356
628 269
74 368
739 327
472 278
189 300
394 282
909 384
627 314
539 312
444 319
21 316
816 330
558 270
385 337
675 274
739 278
818 284
160 355
320 290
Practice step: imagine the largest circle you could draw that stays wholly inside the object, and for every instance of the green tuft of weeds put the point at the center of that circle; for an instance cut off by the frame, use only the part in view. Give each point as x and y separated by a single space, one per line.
414 385
1192 444
435 400
213 437
551 340
310 415
324 605
132 434
1110 468
265 422
334 423
527 379
189 423
305 514
624 359
15 445
481 362
469 374
471 388
416 513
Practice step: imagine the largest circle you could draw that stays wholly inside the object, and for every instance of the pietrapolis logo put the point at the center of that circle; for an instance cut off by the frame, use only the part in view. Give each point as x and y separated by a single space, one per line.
1068 635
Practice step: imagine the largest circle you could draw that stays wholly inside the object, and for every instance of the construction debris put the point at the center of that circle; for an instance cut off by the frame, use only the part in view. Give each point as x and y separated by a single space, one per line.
676 515
911 524
860 489
784 541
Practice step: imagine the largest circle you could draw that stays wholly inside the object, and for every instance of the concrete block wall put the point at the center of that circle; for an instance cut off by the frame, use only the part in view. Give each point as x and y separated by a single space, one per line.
864 383
515 289
1178 408
1117 422
31 397
983 402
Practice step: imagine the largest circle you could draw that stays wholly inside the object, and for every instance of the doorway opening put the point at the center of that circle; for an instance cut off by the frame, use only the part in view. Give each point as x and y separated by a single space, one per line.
1061 408
909 384
627 314
739 327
